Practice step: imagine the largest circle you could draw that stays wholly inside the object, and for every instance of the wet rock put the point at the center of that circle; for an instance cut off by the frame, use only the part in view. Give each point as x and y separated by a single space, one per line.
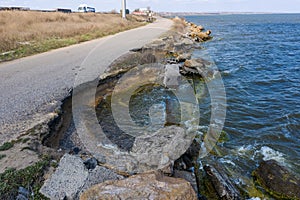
67 180
221 183
143 186
91 163
277 180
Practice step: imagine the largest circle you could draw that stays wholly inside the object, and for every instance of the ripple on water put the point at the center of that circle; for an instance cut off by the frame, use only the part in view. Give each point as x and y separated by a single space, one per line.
260 66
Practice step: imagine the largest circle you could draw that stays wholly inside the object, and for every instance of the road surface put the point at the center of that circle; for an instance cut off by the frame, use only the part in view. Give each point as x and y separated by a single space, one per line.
33 86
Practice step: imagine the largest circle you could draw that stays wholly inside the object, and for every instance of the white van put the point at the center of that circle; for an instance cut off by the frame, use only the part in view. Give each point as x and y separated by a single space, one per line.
85 8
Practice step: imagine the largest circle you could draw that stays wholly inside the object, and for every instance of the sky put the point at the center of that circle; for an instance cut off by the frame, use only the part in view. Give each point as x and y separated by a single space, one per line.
292 6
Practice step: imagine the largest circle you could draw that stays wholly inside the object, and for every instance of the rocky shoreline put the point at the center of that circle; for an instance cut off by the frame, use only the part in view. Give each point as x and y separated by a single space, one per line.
135 168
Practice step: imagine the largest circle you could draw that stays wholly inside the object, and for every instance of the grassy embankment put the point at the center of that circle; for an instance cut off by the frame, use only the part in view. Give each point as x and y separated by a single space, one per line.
24 33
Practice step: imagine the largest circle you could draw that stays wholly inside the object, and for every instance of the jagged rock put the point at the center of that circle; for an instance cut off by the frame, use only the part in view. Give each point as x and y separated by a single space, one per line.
196 28
277 180
184 45
143 186
183 57
221 183
194 63
199 67
99 175
150 152
163 147
71 178
197 34
201 36
156 45
67 180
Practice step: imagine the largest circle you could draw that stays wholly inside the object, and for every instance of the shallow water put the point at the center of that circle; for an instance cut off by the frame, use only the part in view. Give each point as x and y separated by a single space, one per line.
259 59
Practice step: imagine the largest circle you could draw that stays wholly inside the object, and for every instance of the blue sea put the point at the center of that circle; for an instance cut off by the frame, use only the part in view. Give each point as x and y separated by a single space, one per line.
259 59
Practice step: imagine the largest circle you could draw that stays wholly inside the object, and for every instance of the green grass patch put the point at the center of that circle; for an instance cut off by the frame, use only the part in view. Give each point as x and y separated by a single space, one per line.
6 146
30 177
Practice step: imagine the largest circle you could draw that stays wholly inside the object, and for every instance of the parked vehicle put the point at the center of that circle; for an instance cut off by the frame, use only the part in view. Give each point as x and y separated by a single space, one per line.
85 8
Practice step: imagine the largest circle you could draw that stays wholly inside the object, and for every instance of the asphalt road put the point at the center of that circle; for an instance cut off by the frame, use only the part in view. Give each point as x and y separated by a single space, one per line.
32 87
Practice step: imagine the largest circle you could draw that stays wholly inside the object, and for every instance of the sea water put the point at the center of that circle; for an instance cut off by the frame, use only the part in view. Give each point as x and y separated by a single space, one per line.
259 59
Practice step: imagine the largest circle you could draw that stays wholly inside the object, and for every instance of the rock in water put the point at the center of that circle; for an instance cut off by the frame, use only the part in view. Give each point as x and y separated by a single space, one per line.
199 67
277 180
142 186
67 180
224 188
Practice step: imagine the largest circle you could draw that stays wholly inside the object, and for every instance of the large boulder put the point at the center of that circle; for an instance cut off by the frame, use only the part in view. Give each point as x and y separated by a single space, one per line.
194 63
188 176
222 184
142 186
99 175
196 28
149 153
277 180
201 36
199 67
72 177
67 180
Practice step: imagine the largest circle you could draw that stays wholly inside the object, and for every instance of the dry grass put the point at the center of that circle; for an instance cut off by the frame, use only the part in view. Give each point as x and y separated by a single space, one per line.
179 25
25 33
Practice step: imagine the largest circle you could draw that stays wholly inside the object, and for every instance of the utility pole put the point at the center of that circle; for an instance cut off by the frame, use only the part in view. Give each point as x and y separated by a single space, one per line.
124 9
